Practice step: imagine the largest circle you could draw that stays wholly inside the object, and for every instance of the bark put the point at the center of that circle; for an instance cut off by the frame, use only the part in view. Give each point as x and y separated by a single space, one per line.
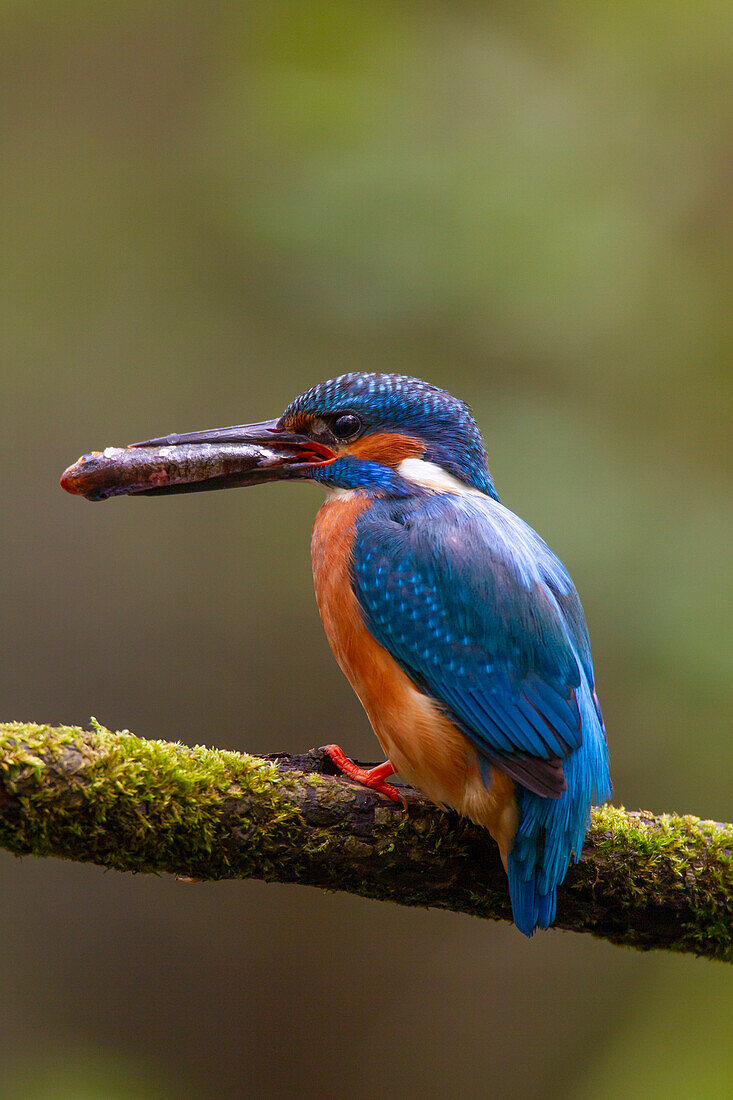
643 880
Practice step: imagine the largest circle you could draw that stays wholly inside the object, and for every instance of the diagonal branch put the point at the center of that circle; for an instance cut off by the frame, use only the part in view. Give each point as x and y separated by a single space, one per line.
116 800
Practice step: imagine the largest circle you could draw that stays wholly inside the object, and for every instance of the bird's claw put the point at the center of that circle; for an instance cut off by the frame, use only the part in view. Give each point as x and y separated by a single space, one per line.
374 778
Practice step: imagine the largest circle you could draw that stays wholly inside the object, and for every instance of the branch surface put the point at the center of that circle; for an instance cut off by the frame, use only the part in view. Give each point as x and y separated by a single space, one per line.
114 799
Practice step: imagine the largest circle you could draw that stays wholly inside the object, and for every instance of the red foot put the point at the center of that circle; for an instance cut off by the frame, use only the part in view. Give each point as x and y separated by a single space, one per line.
372 777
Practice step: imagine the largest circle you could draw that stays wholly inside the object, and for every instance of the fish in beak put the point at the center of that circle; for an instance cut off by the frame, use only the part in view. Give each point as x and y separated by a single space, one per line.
219 458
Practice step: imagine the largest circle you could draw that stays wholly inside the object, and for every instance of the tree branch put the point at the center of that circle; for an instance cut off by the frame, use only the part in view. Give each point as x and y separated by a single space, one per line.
149 806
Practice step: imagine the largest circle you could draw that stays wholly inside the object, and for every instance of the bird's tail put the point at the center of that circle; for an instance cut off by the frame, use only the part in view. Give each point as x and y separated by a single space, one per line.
551 830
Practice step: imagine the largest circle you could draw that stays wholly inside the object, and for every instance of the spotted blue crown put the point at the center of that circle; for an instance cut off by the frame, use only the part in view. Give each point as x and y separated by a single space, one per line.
398 403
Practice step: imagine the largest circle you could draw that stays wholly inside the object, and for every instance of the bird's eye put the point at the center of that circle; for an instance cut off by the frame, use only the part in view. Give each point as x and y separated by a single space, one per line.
346 425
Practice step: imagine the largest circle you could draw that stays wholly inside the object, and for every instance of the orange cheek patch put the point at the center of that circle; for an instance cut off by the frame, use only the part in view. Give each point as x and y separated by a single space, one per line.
387 448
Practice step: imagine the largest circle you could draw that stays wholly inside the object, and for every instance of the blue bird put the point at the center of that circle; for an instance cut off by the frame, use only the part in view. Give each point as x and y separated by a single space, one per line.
458 628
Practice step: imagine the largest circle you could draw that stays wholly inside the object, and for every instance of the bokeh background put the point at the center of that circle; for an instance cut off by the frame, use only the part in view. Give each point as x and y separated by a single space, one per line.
208 207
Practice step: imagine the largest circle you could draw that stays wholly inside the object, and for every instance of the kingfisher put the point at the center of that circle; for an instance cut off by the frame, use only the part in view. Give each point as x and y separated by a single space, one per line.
458 628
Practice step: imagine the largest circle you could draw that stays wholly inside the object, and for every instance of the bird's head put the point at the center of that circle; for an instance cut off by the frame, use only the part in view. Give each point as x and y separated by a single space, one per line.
358 431
384 426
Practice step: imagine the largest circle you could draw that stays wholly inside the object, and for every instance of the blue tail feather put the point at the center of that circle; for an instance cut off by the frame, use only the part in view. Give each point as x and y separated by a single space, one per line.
551 831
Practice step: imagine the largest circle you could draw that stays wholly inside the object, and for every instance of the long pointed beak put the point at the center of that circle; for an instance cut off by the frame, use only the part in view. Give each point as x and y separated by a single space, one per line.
218 458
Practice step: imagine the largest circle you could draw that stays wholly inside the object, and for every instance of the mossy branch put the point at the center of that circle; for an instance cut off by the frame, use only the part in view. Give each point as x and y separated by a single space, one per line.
149 806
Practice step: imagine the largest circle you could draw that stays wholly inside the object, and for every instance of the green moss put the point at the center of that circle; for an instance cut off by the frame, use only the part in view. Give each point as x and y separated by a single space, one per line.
161 802
658 858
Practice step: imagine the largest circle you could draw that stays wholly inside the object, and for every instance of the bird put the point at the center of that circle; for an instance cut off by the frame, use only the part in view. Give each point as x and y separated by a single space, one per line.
458 628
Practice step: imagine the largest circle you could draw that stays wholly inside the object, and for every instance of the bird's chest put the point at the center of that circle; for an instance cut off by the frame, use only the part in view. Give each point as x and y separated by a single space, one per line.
383 688
332 544
412 730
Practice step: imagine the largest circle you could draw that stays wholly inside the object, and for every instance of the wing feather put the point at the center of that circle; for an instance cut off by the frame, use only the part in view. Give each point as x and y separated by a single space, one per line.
481 615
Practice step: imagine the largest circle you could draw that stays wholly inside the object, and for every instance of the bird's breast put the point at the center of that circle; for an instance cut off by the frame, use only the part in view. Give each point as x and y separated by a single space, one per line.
422 743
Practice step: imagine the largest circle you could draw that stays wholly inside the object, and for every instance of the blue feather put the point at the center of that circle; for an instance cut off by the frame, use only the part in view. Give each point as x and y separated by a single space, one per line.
552 830
482 616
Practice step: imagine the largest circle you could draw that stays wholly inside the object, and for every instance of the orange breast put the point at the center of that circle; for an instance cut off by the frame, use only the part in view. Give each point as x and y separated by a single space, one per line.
423 745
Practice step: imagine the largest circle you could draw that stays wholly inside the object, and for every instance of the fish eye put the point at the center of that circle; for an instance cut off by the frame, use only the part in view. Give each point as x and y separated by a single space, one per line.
346 425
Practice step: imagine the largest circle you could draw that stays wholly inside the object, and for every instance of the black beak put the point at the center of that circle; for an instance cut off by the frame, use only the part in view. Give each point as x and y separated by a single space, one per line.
219 458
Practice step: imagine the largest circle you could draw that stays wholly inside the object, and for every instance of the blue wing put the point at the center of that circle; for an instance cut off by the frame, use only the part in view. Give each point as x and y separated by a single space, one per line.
480 613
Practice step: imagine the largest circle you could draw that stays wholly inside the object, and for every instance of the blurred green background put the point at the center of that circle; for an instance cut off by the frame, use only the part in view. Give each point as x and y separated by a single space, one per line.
208 207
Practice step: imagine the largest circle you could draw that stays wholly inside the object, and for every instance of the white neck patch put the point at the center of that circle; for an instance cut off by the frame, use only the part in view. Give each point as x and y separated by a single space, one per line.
335 492
431 476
